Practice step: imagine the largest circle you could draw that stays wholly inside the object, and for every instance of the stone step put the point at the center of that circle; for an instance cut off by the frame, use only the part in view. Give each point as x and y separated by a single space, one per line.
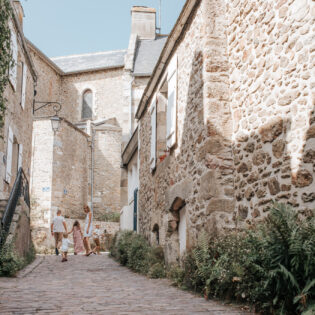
3 203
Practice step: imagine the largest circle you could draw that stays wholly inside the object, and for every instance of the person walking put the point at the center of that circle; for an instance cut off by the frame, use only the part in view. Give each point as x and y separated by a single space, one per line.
77 237
88 228
58 227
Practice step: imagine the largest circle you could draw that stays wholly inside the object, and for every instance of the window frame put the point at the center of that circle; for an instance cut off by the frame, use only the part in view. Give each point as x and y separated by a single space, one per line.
24 83
88 89
14 46
153 142
171 112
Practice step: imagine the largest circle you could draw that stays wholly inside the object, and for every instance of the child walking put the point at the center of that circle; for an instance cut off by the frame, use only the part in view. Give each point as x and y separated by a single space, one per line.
96 237
77 237
64 247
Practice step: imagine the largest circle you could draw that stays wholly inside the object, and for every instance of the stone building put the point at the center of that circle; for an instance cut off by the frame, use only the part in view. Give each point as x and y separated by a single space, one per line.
80 163
16 138
226 122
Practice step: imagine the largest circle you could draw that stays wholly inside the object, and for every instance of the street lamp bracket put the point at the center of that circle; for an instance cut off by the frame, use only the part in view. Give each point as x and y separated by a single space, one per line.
56 106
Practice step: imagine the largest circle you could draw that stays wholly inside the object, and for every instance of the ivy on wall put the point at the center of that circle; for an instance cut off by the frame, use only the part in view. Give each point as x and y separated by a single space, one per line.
6 60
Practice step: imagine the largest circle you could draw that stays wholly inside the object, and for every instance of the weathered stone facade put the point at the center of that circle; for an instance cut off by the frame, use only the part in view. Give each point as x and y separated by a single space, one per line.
271 57
60 176
107 169
245 120
19 119
16 133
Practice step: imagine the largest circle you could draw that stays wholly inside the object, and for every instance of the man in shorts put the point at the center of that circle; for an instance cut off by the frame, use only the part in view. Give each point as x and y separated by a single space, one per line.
58 226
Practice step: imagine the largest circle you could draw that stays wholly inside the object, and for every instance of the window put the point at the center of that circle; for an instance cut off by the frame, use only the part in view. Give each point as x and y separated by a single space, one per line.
14 48
182 231
20 158
153 135
24 78
87 104
171 103
9 156
156 233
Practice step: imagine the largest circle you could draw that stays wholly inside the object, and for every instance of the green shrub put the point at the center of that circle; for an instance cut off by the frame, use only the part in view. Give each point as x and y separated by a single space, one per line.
271 265
137 253
10 262
176 274
110 216
123 244
133 250
157 271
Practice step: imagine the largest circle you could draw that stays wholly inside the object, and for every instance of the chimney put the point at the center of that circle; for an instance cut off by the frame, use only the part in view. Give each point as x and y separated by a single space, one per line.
143 22
19 11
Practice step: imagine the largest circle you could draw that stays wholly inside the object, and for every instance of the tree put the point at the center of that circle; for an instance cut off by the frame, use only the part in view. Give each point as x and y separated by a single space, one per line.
6 60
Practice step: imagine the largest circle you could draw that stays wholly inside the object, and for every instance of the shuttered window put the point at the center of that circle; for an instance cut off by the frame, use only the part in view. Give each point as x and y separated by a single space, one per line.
171 123
20 160
87 104
24 78
14 48
9 156
153 135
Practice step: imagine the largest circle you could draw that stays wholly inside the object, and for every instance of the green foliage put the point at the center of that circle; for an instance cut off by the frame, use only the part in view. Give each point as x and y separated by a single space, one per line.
157 271
6 60
176 274
271 266
110 216
138 253
133 250
10 262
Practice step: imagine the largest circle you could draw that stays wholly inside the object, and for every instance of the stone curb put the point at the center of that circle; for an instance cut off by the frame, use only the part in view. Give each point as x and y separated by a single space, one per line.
28 269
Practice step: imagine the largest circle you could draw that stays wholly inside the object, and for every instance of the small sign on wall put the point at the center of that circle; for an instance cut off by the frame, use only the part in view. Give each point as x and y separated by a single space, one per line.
65 191
46 189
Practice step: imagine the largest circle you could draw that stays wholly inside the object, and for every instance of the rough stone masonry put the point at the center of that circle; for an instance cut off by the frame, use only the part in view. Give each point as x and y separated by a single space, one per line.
245 121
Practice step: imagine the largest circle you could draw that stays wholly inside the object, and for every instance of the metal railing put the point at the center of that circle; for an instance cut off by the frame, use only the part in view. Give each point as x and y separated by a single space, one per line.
20 188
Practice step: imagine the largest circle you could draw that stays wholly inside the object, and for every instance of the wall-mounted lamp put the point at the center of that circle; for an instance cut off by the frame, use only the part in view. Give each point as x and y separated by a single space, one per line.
55 123
55 120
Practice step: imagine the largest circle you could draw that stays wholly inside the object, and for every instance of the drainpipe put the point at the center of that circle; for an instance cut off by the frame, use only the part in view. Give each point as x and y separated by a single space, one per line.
130 108
92 167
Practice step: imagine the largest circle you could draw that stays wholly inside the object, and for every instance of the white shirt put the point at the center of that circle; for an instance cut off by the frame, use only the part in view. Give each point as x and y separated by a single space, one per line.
97 233
65 244
58 224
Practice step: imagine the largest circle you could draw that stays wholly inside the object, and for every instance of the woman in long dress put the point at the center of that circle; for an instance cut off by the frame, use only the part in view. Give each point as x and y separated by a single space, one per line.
88 228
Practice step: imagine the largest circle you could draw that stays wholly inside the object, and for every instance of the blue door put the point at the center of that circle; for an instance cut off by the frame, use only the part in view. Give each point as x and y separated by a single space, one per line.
135 209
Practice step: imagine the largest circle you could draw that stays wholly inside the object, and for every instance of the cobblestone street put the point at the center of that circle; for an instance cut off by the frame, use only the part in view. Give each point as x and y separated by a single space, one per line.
97 285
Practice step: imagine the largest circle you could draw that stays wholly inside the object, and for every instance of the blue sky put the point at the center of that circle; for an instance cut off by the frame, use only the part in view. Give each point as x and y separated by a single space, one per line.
64 27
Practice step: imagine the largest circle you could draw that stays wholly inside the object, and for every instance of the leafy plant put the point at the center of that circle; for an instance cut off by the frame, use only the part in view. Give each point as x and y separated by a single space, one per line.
6 60
133 250
10 262
157 271
110 216
271 265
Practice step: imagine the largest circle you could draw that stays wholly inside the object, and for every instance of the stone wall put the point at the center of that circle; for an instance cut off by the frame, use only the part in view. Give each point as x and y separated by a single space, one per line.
59 176
108 96
107 171
245 115
20 121
48 85
70 171
198 173
41 176
20 231
271 55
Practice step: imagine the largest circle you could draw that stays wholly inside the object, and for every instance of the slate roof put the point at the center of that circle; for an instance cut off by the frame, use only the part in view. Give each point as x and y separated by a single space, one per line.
147 55
86 62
